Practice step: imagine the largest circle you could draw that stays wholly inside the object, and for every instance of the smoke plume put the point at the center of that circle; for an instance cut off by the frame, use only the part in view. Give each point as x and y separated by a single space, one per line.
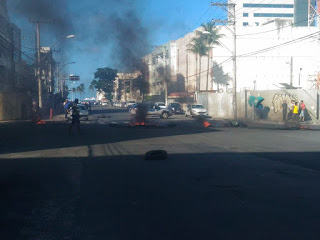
115 25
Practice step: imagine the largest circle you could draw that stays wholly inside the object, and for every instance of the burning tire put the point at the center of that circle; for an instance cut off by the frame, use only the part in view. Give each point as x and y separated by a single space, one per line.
165 115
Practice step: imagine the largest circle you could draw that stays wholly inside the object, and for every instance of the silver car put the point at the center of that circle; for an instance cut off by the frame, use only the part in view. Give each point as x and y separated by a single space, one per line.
196 110
84 113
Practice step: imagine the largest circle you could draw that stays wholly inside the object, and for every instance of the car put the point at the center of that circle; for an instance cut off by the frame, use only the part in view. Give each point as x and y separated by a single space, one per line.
175 108
129 104
195 110
152 110
84 113
162 105
104 103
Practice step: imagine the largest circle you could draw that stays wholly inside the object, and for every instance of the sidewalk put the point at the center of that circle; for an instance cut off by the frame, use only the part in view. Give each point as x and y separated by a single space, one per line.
288 125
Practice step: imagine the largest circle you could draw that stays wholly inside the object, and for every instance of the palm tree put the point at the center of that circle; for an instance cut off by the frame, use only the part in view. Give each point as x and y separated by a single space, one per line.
80 89
199 48
211 37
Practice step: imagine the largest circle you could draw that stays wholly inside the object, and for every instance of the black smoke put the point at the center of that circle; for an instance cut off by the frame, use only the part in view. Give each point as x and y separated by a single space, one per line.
115 25
53 13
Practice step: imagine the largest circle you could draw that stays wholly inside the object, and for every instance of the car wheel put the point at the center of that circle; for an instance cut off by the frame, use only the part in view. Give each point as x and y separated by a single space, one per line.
165 115
186 115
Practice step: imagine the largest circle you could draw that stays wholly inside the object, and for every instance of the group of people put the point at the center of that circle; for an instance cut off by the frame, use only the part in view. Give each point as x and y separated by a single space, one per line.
297 111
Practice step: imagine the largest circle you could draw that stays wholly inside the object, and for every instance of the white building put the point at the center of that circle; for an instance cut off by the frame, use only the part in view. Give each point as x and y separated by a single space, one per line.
273 56
257 12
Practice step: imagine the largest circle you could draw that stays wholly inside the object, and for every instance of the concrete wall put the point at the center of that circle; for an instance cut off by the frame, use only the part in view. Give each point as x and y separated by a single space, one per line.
220 105
15 106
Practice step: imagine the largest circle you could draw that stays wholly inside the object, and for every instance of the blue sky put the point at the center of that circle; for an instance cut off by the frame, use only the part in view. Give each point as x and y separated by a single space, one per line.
93 48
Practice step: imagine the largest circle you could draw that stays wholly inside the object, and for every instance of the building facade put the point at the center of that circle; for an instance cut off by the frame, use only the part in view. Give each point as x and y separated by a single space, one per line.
257 13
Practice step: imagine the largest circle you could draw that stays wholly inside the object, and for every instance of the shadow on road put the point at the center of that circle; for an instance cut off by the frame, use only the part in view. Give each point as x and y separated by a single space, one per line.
188 196
19 137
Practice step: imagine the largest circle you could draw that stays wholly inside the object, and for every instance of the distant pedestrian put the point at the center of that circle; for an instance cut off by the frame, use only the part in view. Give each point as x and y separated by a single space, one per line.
291 106
303 110
284 110
295 116
66 105
35 112
75 116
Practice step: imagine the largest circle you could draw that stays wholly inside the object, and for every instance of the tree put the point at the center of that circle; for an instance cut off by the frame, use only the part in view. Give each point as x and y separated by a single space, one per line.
211 38
103 80
81 89
198 47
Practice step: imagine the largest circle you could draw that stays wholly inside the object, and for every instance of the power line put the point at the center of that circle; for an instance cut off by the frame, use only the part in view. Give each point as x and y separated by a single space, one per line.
276 29
15 49
280 45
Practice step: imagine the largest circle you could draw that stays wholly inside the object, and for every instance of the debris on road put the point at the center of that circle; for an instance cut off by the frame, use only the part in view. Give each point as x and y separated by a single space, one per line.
156 155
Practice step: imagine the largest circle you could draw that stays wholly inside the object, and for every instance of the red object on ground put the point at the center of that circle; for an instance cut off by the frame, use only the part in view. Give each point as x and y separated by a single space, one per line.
41 122
138 124
206 124
51 113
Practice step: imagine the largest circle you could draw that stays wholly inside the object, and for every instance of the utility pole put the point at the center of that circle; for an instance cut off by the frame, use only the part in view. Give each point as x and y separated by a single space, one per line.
291 71
166 76
231 10
38 66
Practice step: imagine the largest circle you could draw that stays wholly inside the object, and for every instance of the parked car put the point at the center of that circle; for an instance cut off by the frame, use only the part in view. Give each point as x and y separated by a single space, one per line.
104 103
175 108
130 103
196 110
84 113
162 105
152 110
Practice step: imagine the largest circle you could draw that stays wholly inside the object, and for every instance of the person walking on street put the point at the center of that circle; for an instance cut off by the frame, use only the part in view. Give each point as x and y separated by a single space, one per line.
303 110
66 105
75 116
295 116
284 110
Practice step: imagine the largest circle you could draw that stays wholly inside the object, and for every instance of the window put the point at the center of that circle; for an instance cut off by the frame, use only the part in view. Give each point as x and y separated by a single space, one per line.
245 24
257 5
257 24
246 14
273 15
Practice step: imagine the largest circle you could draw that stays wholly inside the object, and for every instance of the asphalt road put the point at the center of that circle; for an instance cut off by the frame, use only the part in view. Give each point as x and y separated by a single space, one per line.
226 183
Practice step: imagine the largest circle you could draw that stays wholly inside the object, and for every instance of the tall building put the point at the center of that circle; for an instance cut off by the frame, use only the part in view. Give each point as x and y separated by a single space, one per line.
257 12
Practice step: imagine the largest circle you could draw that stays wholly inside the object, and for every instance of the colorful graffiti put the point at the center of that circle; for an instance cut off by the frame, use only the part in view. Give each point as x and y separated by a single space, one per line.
279 98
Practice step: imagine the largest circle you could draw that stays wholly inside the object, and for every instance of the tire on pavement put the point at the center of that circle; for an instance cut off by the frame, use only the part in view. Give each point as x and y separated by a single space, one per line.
165 115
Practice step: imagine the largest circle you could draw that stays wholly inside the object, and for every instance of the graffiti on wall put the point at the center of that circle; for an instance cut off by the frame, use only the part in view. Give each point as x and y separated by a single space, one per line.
279 98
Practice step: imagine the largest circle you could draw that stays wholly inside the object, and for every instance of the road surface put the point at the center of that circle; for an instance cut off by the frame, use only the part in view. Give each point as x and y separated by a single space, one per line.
226 183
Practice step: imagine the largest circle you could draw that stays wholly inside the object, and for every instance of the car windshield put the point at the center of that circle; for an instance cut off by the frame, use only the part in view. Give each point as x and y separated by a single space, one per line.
175 104
204 120
197 106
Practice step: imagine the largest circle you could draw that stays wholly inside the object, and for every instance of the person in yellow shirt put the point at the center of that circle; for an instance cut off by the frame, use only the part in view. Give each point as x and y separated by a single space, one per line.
295 111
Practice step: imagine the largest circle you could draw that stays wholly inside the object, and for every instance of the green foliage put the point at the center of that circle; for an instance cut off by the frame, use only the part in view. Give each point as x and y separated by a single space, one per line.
212 36
103 80
198 46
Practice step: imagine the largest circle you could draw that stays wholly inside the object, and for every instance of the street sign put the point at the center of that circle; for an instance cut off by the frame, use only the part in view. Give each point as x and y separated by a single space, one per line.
74 78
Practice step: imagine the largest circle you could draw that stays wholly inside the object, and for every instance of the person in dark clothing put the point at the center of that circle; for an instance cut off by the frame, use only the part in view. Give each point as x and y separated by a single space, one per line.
66 108
75 116
284 110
